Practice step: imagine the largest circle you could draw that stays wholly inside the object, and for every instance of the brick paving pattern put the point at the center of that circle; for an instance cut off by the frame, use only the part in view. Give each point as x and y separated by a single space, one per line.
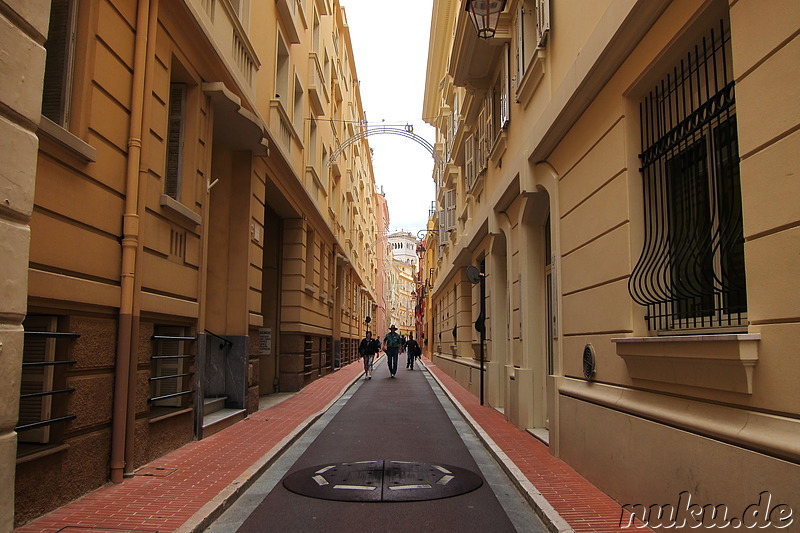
177 491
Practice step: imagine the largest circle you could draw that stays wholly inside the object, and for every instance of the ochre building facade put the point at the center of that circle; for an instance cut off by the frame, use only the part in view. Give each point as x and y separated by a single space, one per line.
196 233
622 174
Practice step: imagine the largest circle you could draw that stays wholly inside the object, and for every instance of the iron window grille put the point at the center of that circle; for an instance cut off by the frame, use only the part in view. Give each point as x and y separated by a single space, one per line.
691 272
171 370
43 390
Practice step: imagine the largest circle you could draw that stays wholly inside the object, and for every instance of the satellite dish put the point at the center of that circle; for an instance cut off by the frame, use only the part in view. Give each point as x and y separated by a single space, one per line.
473 274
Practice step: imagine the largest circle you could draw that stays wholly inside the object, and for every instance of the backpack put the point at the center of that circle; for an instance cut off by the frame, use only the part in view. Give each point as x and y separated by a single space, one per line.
392 340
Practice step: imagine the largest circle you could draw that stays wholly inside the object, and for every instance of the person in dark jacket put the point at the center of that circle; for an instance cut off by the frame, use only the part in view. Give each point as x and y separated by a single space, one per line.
412 351
368 348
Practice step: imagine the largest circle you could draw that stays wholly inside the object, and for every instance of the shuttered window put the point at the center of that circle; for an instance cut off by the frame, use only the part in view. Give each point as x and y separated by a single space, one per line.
60 46
42 406
450 209
470 173
532 30
505 88
170 369
177 113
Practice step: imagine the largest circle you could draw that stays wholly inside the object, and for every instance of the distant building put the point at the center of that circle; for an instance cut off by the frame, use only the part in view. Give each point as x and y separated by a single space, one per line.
403 246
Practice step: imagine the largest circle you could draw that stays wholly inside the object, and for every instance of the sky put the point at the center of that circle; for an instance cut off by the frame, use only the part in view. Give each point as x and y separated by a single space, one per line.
390 45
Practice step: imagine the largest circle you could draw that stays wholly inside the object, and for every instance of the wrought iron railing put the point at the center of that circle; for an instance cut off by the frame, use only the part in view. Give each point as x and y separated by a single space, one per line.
27 423
172 375
691 270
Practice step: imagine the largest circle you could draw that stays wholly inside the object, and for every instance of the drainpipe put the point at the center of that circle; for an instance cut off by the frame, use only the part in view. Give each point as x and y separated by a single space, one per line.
130 242
130 421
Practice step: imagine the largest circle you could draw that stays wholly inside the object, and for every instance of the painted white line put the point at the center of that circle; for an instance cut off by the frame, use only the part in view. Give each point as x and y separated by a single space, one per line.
354 487
323 470
442 469
445 480
409 487
320 480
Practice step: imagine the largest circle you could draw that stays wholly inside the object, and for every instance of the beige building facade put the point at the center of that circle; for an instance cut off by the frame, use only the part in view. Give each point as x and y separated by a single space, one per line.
622 175
196 233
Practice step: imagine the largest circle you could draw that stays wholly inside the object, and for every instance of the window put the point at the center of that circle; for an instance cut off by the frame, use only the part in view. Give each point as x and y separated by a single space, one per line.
691 272
532 29
176 121
297 114
60 46
282 74
43 391
447 216
170 370
311 245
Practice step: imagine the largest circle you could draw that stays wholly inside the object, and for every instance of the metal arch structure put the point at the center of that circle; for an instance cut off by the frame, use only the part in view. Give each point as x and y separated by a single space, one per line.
406 131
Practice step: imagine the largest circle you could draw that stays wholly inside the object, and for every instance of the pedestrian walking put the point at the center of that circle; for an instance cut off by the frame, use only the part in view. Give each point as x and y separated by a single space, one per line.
412 351
368 348
391 345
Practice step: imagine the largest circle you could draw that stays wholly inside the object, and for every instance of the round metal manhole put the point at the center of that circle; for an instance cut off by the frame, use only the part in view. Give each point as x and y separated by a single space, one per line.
382 481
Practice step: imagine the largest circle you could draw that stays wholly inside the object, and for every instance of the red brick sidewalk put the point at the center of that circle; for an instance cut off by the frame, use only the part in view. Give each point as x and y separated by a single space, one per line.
186 486
184 489
550 483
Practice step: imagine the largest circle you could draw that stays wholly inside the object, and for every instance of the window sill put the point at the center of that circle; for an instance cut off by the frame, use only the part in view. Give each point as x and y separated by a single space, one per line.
45 452
534 75
177 208
720 362
170 414
55 133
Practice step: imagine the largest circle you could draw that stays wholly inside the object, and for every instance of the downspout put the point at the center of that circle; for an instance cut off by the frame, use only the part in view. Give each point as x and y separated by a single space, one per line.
130 421
130 240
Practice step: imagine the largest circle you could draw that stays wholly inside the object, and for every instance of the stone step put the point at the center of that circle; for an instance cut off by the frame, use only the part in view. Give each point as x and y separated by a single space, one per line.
212 405
219 420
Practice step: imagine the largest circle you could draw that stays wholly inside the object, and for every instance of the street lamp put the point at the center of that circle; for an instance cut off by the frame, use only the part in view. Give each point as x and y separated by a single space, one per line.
485 14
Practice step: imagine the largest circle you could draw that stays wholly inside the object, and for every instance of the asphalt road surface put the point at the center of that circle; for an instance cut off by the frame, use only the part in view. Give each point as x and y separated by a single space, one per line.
406 420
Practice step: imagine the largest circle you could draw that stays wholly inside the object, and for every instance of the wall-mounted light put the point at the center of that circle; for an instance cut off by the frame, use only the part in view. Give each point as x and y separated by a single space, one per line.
485 14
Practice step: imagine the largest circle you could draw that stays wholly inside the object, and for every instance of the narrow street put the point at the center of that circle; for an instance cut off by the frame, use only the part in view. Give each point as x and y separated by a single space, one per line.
409 420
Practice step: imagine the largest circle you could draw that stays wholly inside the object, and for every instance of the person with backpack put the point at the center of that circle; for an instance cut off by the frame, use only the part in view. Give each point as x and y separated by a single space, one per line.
412 351
368 348
391 345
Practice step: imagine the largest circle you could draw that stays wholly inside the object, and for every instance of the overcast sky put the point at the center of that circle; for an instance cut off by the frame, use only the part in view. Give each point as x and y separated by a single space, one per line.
390 43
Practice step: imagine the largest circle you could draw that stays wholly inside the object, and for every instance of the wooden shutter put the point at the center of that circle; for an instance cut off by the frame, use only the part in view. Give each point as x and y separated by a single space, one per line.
37 379
469 161
480 143
520 38
172 174
450 208
505 88
58 65
542 21
488 138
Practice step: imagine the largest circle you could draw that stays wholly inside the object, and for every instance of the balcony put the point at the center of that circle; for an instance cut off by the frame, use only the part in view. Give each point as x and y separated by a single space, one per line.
290 13
472 59
222 25
317 89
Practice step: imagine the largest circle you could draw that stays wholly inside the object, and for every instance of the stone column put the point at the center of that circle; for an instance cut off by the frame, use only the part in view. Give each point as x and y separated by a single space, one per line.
23 27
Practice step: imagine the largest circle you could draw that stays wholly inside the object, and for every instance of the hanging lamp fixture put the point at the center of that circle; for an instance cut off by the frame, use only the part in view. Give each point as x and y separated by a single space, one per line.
485 14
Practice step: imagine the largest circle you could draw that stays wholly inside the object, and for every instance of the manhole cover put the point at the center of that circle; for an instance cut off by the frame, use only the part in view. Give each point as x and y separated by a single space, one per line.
382 481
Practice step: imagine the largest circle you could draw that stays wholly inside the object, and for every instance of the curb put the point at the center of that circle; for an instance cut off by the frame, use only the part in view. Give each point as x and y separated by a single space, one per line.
551 518
212 510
